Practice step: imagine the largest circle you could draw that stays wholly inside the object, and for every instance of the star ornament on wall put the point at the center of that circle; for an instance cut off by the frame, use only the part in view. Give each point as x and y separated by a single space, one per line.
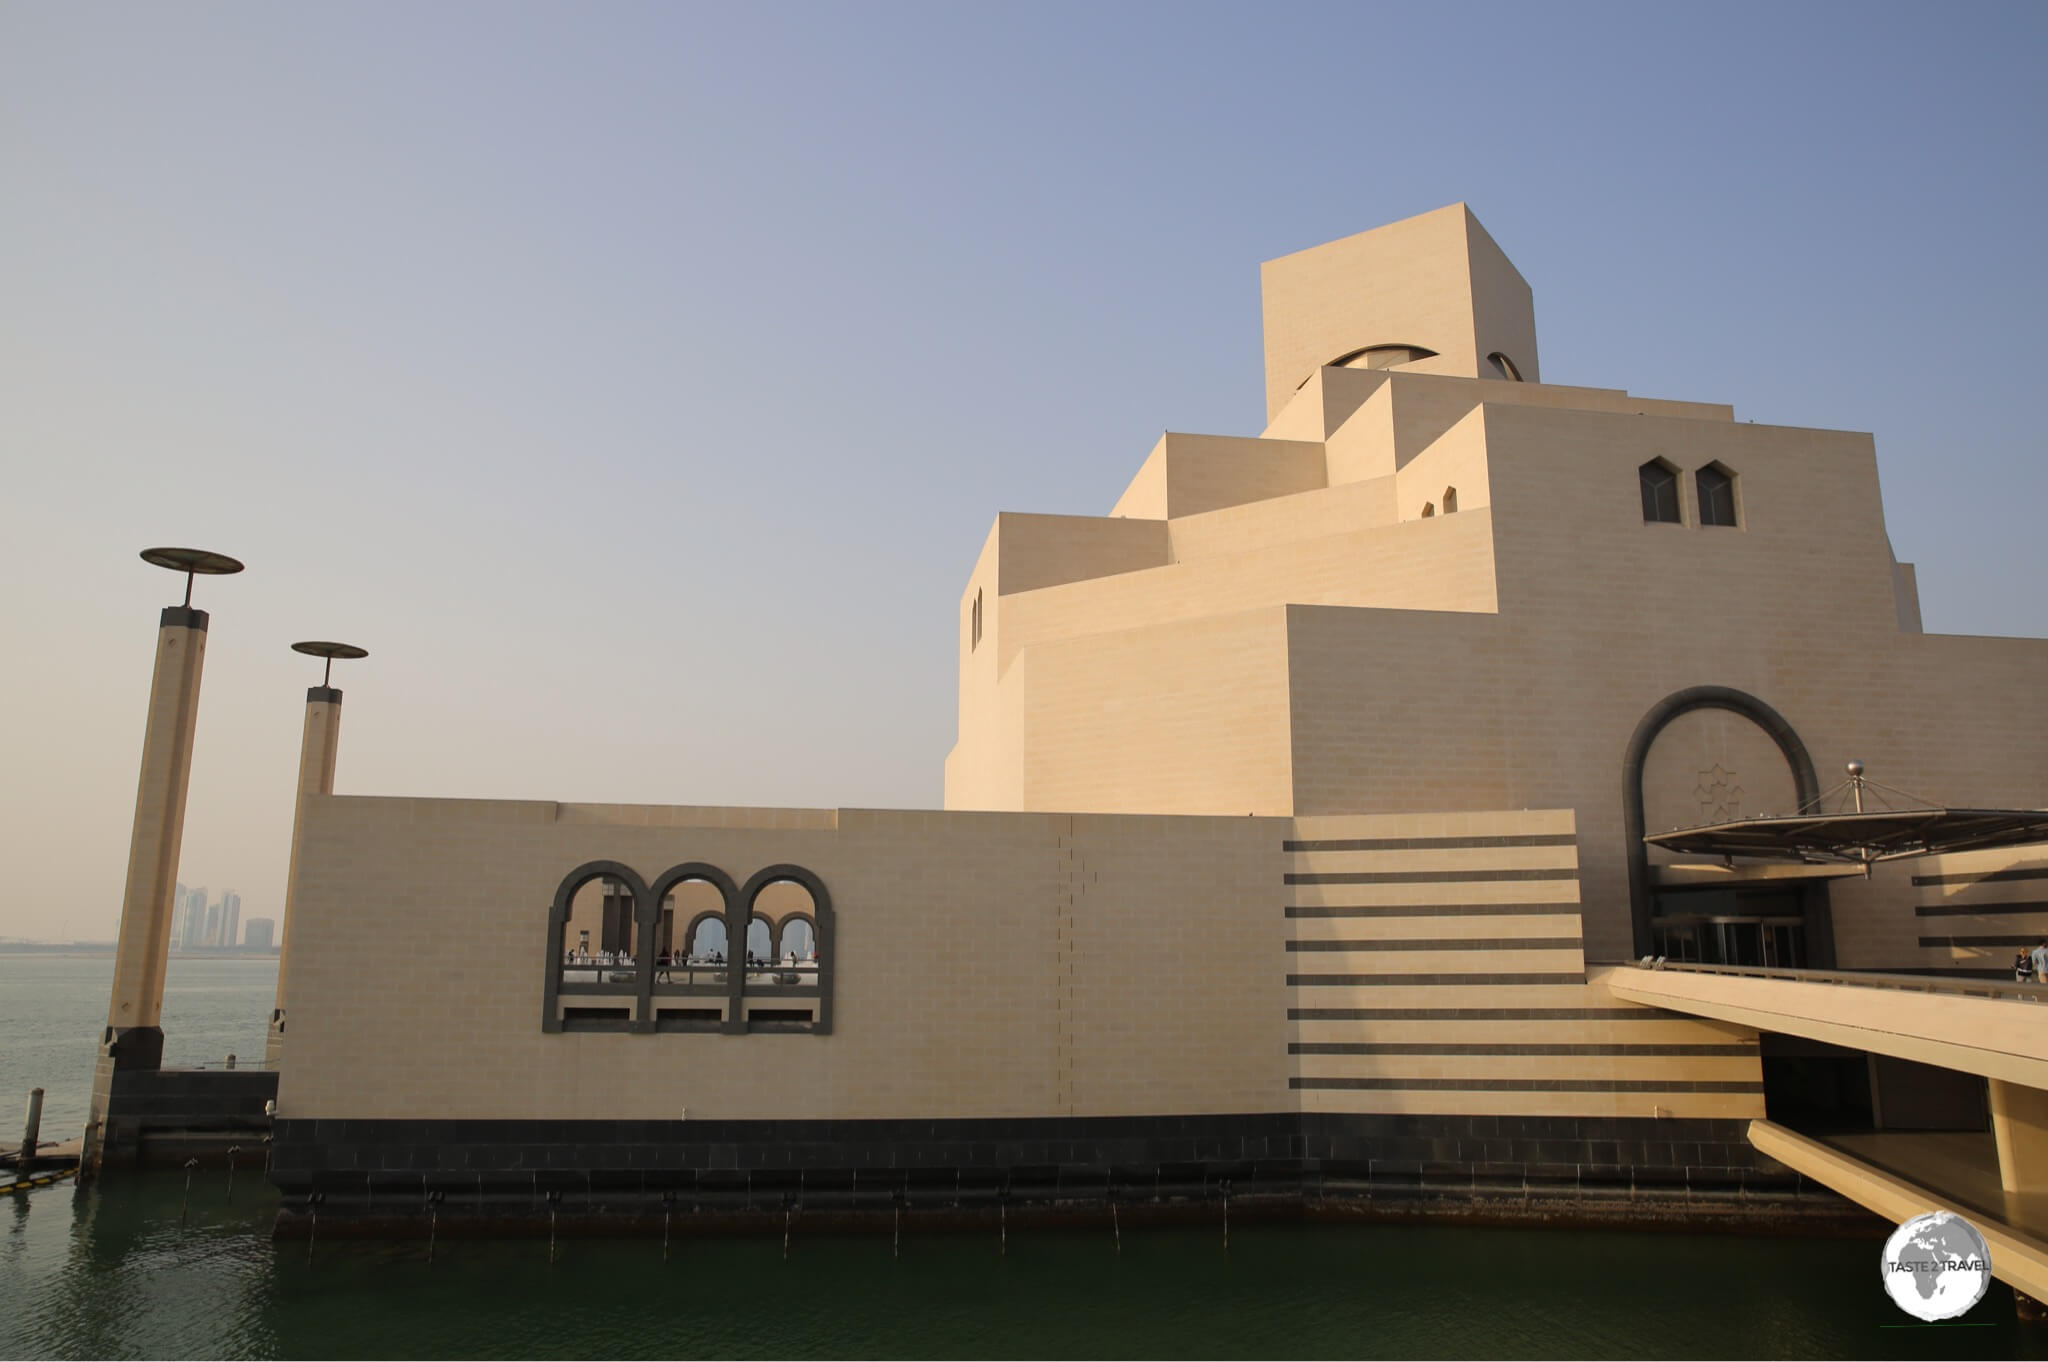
1719 796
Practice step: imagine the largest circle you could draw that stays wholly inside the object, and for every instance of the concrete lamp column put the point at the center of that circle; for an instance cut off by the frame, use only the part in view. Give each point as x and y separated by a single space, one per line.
317 752
134 1037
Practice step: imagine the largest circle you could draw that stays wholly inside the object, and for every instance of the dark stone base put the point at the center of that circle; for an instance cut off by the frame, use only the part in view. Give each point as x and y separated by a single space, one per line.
672 1216
152 1116
133 1047
620 1170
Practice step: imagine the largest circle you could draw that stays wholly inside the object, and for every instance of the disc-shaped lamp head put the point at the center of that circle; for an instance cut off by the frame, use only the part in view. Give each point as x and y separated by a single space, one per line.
192 562
330 651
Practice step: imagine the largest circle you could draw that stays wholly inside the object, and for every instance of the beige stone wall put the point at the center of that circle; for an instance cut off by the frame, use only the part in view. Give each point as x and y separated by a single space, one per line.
1425 405
1436 281
983 770
1169 719
1503 308
1906 591
1036 551
1415 567
1973 910
986 769
1713 766
1602 616
991 965
988 965
1188 474
1284 522
1502 656
1436 966
1450 475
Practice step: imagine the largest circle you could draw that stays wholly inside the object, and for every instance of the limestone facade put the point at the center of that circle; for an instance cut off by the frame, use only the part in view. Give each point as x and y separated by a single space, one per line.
1300 785
989 965
1429 586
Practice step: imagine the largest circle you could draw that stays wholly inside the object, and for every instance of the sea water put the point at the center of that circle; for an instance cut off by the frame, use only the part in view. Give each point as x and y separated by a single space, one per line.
139 1265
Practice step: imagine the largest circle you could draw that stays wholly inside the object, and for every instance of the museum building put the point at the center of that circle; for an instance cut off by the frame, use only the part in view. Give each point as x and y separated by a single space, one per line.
1294 831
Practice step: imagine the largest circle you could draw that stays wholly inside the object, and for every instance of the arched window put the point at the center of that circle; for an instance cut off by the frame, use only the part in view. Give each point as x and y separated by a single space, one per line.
1450 500
1428 509
692 922
790 989
596 967
1504 366
706 945
603 927
675 962
692 985
1716 487
1660 492
1380 357
796 943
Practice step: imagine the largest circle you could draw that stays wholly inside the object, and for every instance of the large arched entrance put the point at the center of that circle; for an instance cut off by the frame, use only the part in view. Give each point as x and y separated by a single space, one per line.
1713 754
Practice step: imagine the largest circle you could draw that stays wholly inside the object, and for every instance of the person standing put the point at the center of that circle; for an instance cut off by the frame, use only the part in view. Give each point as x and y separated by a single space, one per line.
2041 962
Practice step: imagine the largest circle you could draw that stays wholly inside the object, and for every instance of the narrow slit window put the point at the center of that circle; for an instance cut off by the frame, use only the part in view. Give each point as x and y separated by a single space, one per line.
1450 500
975 628
1660 492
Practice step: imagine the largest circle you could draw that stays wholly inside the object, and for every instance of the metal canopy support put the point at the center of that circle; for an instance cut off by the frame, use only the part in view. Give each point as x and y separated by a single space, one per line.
1858 835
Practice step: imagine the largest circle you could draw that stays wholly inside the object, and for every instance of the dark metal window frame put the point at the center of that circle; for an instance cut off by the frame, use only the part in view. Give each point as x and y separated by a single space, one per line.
738 904
1655 493
1715 488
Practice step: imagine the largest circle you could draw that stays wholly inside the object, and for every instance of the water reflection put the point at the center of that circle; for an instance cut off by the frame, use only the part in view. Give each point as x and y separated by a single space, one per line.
108 1272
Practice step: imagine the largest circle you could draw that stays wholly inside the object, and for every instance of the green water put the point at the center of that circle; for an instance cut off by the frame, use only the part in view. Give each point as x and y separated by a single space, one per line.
112 1271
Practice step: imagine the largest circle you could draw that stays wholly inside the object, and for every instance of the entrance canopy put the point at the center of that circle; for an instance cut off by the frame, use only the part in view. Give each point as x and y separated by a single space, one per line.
1859 838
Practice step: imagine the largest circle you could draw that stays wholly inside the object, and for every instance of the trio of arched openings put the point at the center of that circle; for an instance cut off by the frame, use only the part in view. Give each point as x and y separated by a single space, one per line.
630 969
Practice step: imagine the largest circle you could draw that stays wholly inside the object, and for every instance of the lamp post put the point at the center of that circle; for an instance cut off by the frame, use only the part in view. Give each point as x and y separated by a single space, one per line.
317 752
134 1038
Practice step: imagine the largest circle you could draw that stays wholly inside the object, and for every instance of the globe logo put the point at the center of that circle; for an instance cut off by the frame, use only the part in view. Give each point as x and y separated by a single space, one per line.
1936 1266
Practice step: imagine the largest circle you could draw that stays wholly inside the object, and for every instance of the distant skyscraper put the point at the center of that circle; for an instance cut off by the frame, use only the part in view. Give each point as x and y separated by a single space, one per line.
195 919
260 934
230 918
210 934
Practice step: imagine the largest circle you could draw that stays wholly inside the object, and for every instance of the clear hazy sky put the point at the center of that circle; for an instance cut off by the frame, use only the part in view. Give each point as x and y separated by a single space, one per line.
638 382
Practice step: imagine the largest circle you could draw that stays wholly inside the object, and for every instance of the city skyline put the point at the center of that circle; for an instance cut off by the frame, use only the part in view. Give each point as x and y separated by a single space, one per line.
202 922
571 367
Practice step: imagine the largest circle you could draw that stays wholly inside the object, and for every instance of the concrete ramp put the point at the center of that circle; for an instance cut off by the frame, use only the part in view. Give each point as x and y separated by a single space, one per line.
2014 1227
1998 1030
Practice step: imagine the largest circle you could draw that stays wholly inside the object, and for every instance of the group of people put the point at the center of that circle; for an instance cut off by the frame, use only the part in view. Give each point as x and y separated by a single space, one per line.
577 955
2031 966
671 960
668 960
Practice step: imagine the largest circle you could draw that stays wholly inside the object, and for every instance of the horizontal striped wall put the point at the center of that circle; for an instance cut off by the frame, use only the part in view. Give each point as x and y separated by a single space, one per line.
1975 909
1435 966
